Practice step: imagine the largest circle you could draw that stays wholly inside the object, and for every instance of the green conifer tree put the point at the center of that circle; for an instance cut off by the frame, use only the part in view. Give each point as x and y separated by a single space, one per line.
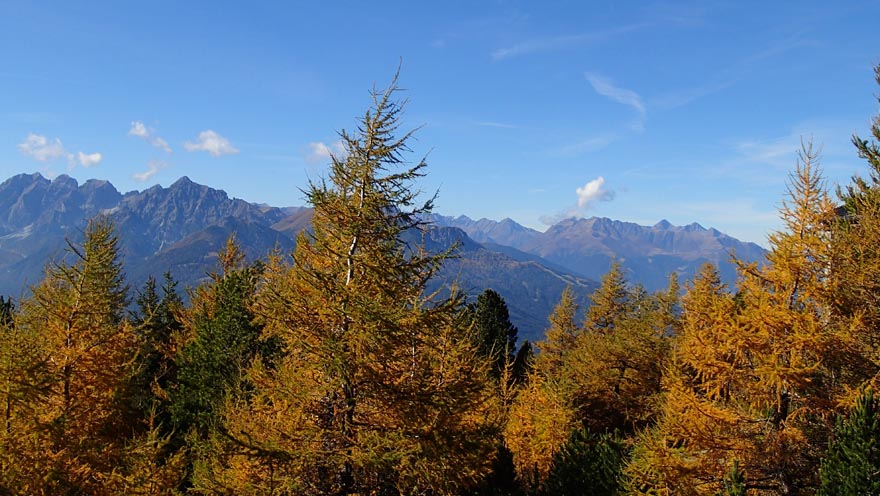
587 463
851 466
225 338
496 335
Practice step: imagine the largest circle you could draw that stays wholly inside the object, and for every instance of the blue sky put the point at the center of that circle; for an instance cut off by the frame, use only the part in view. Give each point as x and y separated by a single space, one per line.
638 111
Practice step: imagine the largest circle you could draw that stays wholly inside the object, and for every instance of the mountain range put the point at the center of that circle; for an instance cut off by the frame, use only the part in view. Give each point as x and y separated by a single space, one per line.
182 227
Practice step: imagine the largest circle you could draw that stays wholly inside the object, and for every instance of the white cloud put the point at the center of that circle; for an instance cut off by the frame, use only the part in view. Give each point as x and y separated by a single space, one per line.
607 88
41 148
160 143
321 152
89 160
140 130
211 142
593 191
153 167
587 195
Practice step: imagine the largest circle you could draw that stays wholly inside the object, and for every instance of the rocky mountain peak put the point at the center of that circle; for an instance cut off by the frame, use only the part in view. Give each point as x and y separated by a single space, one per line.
663 225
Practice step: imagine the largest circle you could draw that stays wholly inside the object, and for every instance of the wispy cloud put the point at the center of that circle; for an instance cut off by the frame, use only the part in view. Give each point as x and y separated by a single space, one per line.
561 42
778 153
606 87
500 125
587 196
732 73
762 161
153 168
140 130
41 148
211 142
774 49
584 146
683 97
320 152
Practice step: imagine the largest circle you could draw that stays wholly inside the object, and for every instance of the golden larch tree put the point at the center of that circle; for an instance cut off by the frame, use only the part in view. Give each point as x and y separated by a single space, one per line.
380 390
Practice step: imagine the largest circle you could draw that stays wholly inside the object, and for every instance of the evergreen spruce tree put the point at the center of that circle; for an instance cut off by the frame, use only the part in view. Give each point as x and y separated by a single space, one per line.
7 310
587 463
155 371
224 339
523 362
496 335
851 465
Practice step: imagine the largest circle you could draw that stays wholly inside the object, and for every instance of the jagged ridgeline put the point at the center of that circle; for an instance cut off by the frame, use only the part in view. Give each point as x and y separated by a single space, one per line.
182 227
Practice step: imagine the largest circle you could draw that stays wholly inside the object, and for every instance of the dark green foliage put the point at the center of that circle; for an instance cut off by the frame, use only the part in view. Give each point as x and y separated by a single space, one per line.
225 340
734 481
7 310
157 326
523 363
502 480
587 464
861 188
495 333
852 464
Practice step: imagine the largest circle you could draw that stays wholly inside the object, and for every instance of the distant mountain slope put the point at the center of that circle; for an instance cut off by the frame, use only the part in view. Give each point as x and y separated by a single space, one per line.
182 227
505 232
41 214
648 253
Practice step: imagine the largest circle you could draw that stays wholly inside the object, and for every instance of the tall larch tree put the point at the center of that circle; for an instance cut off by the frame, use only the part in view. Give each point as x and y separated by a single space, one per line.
381 389
791 341
22 383
609 302
87 349
598 378
562 333
541 417
619 357
691 443
755 379
856 261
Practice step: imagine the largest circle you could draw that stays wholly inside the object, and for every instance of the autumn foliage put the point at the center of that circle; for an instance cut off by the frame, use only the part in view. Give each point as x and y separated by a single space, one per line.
333 370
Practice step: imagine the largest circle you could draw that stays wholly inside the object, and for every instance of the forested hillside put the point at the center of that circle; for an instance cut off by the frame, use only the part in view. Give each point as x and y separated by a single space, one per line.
337 365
